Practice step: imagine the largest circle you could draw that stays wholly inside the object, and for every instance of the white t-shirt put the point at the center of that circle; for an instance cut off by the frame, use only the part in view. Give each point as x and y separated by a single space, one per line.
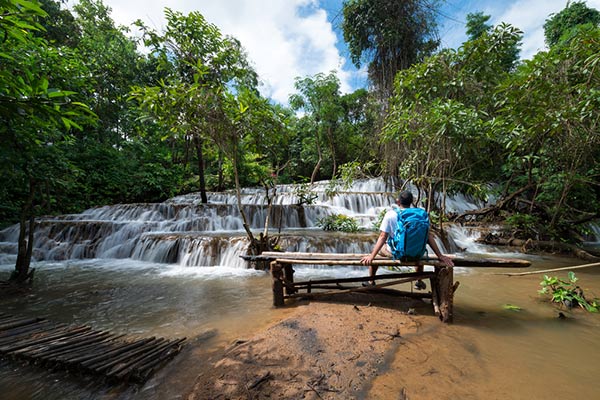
389 222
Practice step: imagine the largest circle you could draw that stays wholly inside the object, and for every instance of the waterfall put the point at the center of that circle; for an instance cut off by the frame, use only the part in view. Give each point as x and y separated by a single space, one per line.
183 231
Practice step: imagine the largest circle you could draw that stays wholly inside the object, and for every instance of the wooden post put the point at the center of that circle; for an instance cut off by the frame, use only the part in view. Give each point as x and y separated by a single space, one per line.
288 274
277 275
445 293
435 297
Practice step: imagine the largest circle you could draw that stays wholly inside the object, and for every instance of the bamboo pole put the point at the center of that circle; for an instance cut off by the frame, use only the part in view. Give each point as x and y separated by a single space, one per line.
357 289
549 270
420 275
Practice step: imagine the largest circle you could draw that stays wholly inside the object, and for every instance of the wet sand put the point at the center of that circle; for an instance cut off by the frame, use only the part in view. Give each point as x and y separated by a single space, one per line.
367 346
327 350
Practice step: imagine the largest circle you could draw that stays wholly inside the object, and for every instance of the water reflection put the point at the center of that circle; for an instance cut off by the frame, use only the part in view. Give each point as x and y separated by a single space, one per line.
217 305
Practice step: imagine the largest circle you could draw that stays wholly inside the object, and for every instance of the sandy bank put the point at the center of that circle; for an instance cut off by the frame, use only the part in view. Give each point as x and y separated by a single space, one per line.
361 347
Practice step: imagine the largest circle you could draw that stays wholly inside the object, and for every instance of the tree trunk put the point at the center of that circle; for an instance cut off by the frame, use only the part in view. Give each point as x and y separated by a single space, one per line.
198 143
25 242
318 166
220 183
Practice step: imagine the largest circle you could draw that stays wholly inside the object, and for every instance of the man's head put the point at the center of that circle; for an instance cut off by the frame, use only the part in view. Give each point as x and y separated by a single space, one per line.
405 199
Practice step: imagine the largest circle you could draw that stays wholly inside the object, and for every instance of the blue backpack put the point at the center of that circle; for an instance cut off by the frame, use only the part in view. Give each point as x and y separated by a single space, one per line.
410 239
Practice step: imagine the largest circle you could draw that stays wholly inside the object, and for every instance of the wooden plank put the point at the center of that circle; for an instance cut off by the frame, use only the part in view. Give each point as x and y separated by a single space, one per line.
81 348
354 259
88 360
101 346
23 330
106 365
422 275
36 332
49 341
43 338
17 322
357 289
125 368
143 372
130 356
73 343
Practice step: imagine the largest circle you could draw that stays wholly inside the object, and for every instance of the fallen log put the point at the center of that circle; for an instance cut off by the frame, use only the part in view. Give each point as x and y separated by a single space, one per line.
546 245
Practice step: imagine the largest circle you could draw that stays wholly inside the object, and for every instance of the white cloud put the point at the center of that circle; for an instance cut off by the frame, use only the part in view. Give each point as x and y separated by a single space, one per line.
283 39
527 15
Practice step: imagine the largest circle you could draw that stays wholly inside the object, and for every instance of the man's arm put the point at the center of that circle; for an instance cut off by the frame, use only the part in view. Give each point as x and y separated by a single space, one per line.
367 260
445 259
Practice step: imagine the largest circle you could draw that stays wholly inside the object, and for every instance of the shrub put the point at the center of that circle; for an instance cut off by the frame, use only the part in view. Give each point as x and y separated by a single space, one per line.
567 293
338 222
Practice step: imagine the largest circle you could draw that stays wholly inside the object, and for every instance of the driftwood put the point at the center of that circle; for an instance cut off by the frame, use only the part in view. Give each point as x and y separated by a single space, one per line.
543 271
546 245
495 207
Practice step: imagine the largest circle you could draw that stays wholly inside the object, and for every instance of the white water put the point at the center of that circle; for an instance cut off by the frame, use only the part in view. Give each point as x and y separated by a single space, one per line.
184 232
173 270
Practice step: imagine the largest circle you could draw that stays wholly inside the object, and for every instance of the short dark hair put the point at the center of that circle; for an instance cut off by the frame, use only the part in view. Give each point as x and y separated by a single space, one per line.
405 198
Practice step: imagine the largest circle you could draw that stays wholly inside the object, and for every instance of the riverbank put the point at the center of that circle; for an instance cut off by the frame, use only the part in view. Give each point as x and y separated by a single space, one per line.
322 351
372 347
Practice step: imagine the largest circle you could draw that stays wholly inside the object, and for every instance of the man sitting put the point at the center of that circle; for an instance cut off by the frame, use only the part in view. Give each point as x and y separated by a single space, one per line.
388 228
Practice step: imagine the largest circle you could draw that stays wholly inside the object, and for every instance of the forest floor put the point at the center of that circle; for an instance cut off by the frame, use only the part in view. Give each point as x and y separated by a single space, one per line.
359 346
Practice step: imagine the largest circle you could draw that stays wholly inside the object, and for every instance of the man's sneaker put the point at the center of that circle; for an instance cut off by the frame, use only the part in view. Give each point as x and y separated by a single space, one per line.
368 284
420 285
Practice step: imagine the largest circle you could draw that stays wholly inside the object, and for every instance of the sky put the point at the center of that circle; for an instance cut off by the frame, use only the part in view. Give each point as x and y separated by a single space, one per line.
285 39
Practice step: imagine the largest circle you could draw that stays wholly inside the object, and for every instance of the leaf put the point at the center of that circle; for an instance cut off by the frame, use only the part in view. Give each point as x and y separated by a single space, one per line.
511 307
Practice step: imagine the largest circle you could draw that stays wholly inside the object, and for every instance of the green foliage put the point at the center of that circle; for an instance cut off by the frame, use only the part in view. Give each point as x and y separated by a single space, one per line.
477 25
567 293
552 145
377 223
526 225
564 24
338 222
389 36
305 194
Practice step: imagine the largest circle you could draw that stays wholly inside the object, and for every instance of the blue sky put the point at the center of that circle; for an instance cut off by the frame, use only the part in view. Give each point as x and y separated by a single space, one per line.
286 39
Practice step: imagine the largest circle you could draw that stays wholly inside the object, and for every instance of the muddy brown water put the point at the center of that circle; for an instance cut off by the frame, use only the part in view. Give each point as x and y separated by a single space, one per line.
504 354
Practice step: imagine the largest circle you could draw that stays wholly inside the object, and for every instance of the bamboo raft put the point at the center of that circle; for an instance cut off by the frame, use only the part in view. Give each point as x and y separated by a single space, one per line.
82 349
441 279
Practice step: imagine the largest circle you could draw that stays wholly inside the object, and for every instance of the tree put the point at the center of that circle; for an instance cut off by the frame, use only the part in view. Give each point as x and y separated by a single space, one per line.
37 118
319 97
436 126
199 64
477 25
561 25
548 121
388 36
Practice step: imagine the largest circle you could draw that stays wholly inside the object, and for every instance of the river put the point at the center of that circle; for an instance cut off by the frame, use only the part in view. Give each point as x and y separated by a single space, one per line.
136 285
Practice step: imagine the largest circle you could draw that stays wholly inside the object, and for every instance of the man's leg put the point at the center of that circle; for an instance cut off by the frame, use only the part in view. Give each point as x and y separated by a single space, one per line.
384 252
419 284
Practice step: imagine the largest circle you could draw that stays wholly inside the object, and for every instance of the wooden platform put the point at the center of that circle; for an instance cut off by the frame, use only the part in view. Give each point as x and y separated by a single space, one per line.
441 279
82 349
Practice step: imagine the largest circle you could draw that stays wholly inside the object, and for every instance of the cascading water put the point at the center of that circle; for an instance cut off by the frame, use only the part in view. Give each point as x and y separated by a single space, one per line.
186 232
173 270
